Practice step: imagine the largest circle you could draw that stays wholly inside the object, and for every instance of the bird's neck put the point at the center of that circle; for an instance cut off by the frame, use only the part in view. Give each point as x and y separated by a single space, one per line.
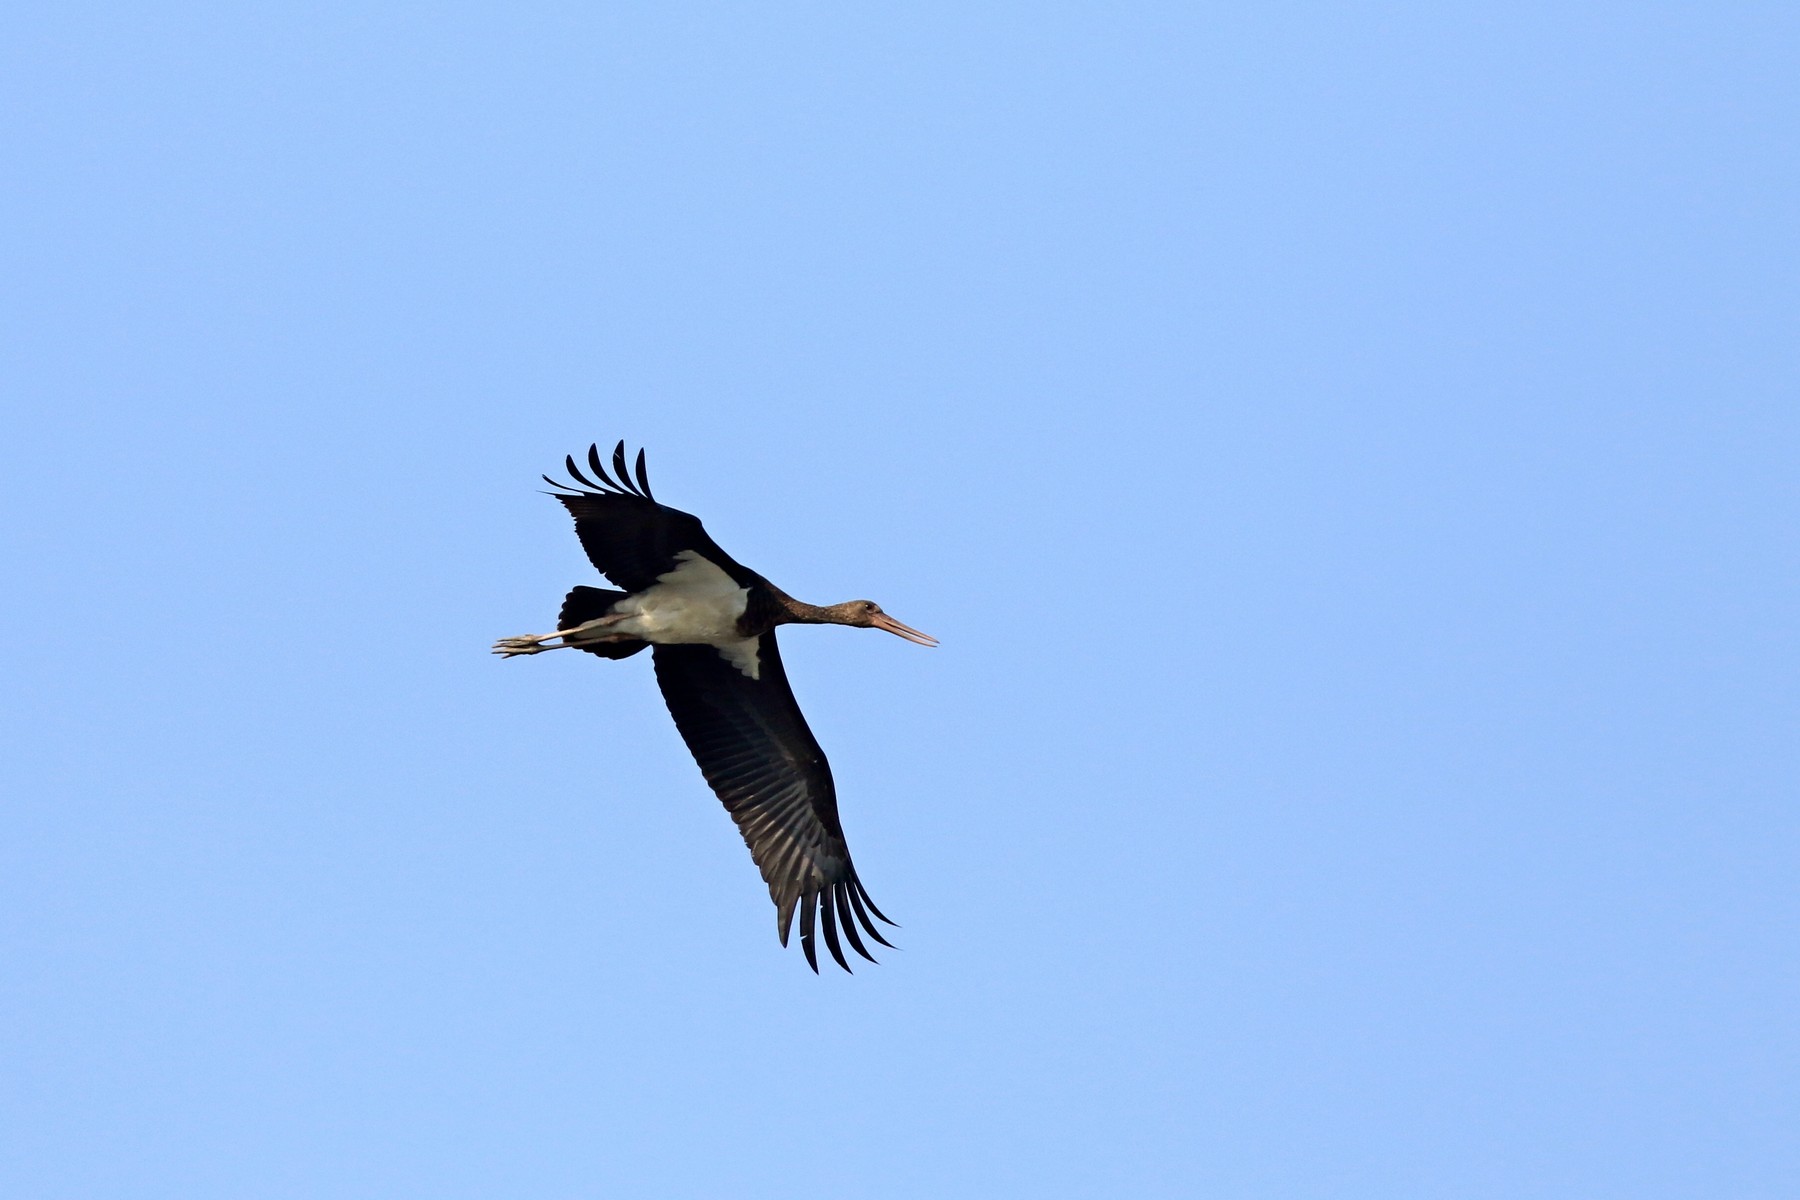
799 612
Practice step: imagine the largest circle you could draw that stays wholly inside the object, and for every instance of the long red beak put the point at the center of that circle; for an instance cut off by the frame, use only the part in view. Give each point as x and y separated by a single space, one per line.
883 621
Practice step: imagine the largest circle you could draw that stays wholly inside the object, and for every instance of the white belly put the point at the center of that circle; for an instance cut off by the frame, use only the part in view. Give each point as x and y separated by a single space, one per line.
696 603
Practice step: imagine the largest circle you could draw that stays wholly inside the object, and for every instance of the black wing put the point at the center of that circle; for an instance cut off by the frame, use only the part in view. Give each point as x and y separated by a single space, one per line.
628 536
756 752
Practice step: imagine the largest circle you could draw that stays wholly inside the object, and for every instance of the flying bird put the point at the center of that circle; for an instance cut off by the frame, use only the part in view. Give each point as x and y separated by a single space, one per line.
711 624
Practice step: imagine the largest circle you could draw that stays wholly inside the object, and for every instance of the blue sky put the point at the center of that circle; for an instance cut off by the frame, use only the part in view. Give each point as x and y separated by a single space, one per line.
1347 451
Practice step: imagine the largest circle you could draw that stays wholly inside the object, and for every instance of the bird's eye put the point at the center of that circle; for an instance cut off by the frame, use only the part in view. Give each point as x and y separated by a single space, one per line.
869 606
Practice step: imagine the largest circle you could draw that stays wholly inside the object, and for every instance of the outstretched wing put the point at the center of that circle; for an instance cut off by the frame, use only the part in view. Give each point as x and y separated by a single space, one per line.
756 752
628 536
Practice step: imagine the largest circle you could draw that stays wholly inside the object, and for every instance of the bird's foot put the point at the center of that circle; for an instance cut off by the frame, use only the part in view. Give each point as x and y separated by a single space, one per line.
512 647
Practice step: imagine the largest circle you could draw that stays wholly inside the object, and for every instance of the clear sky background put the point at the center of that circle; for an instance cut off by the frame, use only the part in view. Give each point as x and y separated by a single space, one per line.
1348 451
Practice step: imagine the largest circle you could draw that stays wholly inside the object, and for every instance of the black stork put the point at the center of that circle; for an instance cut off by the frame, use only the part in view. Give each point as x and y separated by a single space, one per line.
712 622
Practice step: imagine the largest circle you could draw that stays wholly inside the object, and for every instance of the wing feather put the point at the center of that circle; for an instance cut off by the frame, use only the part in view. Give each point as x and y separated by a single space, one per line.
593 457
760 758
630 538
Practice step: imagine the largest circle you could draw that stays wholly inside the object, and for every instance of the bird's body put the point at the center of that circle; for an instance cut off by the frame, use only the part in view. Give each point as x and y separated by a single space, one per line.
712 624
696 604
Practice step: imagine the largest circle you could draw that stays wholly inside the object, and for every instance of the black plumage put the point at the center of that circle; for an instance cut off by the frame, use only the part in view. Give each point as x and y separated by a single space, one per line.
740 721
762 761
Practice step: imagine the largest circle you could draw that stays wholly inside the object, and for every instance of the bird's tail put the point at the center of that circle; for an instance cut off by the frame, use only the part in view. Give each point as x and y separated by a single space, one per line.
587 603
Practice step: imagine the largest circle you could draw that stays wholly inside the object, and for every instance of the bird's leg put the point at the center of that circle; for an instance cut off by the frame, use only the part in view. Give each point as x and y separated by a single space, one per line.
533 643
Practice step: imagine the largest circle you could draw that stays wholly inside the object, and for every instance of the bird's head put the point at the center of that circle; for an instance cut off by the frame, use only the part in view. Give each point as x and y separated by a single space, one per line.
867 614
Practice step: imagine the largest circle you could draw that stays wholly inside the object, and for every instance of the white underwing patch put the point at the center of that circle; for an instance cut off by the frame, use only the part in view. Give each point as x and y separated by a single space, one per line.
745 655
695 604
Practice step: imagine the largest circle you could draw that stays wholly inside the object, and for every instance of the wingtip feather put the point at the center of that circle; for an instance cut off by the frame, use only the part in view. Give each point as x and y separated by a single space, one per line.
599 468
850 931
621 470
807 908
784 917
643 476
828 910
863 892
854 890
